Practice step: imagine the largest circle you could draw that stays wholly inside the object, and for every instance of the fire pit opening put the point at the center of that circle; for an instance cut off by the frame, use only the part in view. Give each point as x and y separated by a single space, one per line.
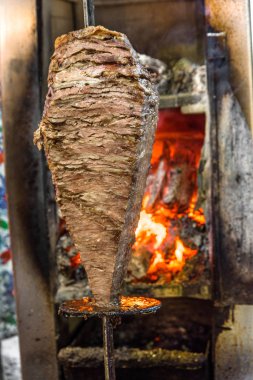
171 241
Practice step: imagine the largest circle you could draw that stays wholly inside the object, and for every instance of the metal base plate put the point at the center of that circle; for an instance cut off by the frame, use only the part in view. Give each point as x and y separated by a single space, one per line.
86 307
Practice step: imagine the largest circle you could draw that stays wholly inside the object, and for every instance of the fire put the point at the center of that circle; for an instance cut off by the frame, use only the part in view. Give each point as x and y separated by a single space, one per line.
197 215
156 234
182 253
179 251
147 229
169 203
157 260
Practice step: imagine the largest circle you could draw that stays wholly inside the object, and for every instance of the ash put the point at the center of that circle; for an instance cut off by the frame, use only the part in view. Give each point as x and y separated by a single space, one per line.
178 77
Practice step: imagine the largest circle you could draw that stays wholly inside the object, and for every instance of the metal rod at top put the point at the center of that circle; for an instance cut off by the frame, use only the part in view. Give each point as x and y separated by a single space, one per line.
88 13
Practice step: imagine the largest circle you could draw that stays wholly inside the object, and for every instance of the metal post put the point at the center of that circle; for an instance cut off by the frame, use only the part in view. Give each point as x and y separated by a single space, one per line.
88 13
216 61
109 361
232 322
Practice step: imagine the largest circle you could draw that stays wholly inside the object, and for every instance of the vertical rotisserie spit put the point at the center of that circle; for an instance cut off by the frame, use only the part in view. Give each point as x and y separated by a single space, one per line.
97 130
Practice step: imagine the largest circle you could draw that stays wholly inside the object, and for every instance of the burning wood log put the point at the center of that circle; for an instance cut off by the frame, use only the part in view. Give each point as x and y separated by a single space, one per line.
173 186
97 130
157 183
92 357
180 186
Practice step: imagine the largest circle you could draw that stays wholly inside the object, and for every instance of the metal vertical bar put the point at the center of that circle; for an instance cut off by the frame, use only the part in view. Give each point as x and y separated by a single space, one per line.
233 343
21 102
232 323
109 361
88 13
200 26
216 61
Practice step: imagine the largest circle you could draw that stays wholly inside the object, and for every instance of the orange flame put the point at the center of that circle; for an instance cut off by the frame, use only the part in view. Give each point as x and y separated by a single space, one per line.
153 232
182 252
158 231
196 215
147 228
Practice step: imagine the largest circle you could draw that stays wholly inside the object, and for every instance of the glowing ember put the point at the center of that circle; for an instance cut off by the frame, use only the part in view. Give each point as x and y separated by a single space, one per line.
75 260
197 215
169 204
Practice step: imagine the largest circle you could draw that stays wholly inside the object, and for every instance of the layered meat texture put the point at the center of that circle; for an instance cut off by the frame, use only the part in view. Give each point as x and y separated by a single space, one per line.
97 130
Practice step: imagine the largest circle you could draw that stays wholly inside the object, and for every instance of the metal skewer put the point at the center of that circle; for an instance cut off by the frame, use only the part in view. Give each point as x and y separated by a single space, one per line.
109 361
88 13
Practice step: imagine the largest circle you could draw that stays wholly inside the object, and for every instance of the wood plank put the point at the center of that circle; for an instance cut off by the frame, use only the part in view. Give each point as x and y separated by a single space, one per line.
92 357
229 162
180 100
233 349
229 157
21 101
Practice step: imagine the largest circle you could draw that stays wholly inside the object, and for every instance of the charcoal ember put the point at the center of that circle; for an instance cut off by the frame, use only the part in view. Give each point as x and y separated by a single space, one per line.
97 130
